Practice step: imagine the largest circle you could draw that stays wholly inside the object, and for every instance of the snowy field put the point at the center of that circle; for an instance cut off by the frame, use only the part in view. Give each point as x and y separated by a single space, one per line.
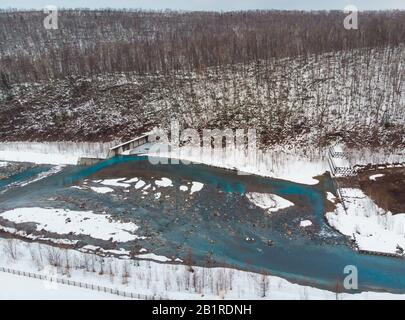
371 227
63 152
14 287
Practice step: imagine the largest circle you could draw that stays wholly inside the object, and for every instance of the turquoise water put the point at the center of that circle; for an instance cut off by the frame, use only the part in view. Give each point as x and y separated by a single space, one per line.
23 176
213 226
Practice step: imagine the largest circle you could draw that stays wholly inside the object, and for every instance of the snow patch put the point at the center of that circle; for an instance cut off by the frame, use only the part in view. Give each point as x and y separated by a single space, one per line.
331 197
139 184
62 221
164 182
305 223
196 187
152 256
269 202
115 183
102 190
376 176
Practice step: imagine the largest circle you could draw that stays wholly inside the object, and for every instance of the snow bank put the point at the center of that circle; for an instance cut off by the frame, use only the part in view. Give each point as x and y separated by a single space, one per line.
52 152
269 202
62 221
280 162
371 227
152 256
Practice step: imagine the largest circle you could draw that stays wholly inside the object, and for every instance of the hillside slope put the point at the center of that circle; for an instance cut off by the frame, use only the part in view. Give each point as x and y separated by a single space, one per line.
356 96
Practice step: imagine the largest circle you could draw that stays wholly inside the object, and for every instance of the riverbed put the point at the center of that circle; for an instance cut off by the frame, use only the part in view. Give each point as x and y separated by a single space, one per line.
214 226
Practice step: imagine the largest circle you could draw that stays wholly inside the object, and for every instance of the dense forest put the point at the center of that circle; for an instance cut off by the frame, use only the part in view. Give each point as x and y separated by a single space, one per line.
297 77
94 42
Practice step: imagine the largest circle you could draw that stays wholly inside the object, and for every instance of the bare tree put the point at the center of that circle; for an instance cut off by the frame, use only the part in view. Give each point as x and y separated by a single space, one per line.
10 248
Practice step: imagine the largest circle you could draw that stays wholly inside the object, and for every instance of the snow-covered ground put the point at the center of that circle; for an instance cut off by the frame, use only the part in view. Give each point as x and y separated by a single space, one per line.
281 163
154 257
172 281
53 152
14 287
371 227
269 202
375 156
63 221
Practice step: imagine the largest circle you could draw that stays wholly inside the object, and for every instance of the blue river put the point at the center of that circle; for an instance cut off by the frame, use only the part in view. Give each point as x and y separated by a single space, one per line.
213 226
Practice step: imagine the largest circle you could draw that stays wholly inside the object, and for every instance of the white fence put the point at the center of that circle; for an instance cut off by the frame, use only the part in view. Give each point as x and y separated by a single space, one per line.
82 285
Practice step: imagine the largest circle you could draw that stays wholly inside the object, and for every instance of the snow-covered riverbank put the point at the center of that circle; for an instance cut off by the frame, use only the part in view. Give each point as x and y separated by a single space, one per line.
171 281
292 164
372 228
63 152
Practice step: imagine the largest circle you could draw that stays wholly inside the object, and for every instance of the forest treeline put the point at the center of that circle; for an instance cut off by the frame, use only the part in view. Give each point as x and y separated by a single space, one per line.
354 96
108 41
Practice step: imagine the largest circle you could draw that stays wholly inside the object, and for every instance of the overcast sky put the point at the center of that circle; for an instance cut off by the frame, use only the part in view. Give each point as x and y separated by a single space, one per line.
219 5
